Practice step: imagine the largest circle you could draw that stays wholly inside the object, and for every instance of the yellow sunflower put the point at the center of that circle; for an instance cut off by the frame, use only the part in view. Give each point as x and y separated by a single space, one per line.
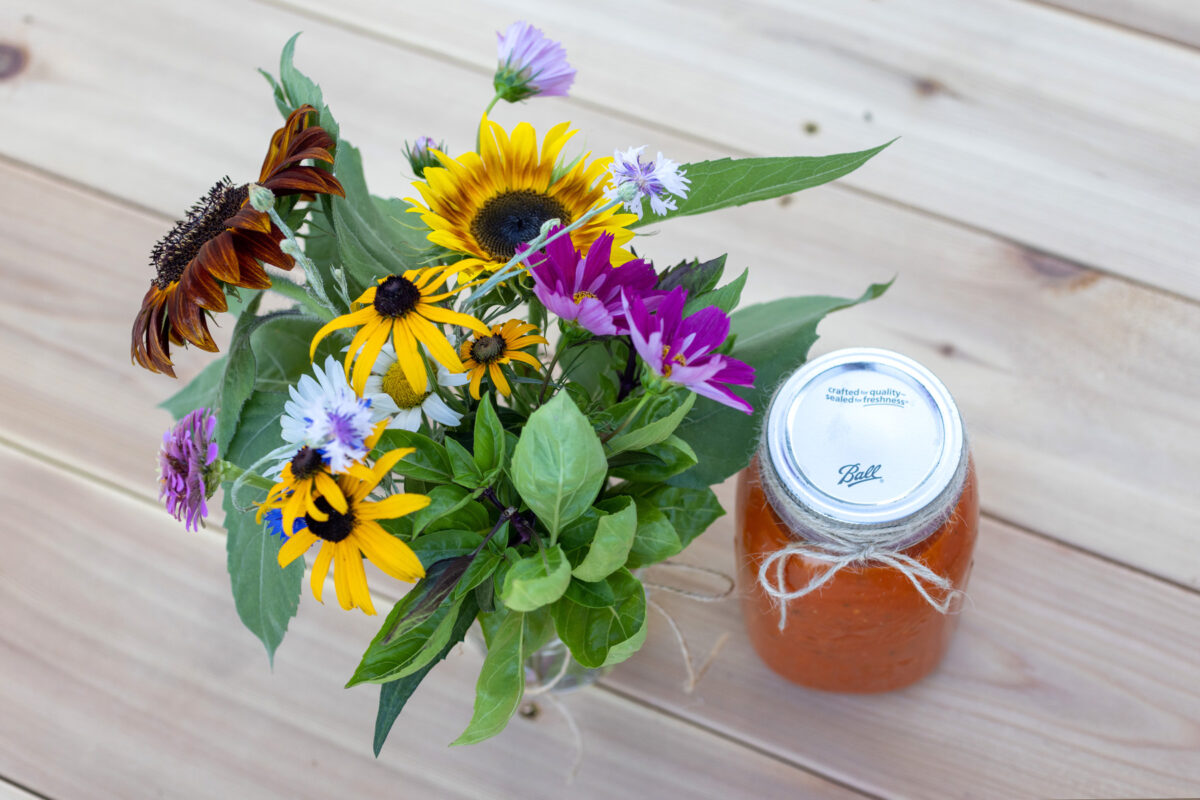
401 307
485 204
505 343
348 534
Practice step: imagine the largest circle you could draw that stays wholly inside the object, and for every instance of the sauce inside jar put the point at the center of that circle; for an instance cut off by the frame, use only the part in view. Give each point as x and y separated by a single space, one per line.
858 441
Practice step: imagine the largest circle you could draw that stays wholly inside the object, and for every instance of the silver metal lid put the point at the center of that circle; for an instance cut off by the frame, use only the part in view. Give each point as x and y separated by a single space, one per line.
864 436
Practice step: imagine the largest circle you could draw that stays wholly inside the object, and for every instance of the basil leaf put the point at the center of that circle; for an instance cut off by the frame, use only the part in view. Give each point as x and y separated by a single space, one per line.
592 633
611 544
536 580
558 465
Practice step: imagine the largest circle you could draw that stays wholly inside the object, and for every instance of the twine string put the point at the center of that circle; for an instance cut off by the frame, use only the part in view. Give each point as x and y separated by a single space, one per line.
843 545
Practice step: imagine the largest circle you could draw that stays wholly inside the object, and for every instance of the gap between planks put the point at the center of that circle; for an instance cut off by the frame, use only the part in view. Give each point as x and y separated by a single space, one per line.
1109 22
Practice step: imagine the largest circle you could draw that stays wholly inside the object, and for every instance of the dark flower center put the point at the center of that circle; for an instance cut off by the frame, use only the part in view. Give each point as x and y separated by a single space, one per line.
204 221
306 463
487 349
334 529
396 296
513 218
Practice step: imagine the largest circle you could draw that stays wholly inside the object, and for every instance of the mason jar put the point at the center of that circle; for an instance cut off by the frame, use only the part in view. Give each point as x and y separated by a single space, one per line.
856 524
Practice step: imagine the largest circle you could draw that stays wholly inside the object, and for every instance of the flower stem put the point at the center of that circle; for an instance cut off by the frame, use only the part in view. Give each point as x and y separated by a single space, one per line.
232 472
534 244
315 284
492 104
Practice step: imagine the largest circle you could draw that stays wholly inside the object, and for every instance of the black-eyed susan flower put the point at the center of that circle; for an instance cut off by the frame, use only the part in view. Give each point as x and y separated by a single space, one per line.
503 344
350 532
304 479
486 204
400 308
221 241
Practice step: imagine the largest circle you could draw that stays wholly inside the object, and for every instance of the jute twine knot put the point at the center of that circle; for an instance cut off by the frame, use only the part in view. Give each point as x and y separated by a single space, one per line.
844 545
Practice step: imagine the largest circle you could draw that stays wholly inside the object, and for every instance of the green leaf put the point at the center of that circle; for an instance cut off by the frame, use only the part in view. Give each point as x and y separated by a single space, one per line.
536 580
429 463
622 651
774 338
640 436
300 89
238 380
501 681
610 547
481 569
393 695
592 633
411 649
596 594
694 276
281 352
462 465
690 511
726 298
489 439
442 545
258 433
655 539
736 181
656 463
558 465
444 501
202 391
266 596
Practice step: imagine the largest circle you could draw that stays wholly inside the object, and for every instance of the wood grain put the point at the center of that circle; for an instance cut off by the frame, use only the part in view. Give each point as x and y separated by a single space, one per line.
1171 19
1072 137
127 674
1068 677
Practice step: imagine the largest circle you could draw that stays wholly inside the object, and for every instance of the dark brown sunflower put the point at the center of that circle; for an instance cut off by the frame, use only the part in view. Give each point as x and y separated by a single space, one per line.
221 241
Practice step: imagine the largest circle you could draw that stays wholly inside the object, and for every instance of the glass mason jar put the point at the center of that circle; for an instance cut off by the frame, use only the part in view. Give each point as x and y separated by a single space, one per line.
856 524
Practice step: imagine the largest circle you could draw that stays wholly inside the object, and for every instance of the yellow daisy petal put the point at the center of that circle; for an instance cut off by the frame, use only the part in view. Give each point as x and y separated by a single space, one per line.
295 547
320 570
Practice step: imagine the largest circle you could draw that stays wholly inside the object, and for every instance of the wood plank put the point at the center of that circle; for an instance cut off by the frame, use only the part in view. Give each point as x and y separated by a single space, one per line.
1066 408
9 791
1068 677
1072 137
127 674
1170 19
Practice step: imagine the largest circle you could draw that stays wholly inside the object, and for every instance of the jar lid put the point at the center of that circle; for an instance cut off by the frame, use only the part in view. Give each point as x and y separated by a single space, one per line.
864 436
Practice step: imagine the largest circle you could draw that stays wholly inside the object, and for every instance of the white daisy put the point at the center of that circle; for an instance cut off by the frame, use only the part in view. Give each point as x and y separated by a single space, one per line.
326 415
391 395
658 180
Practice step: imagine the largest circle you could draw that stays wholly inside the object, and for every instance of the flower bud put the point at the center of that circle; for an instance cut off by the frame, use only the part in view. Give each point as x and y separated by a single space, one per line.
261 198
420 155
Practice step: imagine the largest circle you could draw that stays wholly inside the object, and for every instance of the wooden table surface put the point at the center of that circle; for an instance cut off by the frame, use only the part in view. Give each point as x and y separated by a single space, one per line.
1041 211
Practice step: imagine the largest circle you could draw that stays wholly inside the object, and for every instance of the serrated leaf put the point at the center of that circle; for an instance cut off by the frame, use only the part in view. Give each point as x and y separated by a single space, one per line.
258 432
730 182
725 298
694 276
536 580
558 465
202 391
265 595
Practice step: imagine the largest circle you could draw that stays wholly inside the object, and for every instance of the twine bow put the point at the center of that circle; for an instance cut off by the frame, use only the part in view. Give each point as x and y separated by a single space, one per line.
938 591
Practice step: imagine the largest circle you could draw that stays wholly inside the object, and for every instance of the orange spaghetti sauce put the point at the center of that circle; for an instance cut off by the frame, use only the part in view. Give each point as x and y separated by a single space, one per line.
868 629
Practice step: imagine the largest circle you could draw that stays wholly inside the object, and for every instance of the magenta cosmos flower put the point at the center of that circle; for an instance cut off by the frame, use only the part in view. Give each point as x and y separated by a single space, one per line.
530 64
187 454
587 289
680 349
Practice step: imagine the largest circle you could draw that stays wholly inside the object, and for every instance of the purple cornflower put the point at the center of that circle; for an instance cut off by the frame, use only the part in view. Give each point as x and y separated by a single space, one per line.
658 180
680 349
530 64
587 290
185 460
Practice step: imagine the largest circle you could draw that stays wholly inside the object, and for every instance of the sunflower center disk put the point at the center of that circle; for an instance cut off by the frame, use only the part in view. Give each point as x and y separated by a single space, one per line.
334 529
399 389
513 218
396 296
204 221
487 349
306 463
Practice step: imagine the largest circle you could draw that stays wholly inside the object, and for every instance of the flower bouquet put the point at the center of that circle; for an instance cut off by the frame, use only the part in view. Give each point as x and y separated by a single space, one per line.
481 389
